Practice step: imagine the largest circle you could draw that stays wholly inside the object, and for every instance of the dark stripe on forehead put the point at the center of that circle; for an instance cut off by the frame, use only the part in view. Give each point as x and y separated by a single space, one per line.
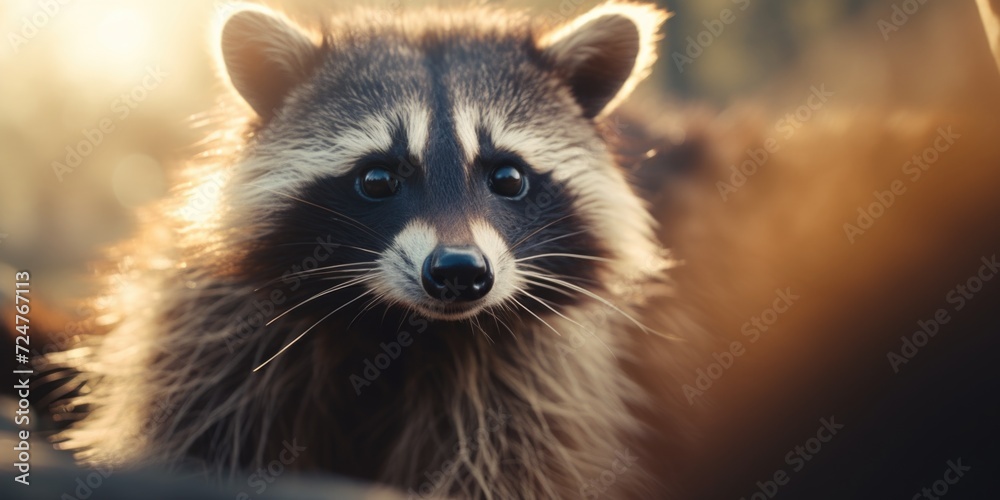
444 159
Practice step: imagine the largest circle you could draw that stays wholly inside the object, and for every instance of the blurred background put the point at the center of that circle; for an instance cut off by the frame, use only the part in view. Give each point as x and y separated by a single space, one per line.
99 98
68 64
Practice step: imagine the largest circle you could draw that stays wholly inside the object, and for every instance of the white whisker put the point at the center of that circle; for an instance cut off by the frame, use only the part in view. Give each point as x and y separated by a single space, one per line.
539 318
315 271
598 298
354 222
554 239
480 326
499 322
296 339
550 287
563 316
567 255
368 305
355 281
536 231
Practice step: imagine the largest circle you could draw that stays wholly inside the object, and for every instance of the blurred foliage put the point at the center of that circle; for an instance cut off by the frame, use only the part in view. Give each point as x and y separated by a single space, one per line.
766 37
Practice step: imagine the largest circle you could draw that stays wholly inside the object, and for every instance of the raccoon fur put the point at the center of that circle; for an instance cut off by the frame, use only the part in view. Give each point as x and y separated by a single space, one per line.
412 259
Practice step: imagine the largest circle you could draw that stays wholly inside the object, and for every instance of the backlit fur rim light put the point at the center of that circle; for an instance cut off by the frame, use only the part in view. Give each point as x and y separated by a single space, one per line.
224 11
647 19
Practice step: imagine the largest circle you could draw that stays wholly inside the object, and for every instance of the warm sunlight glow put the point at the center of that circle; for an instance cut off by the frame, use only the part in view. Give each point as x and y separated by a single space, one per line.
203 200
108 41
123 35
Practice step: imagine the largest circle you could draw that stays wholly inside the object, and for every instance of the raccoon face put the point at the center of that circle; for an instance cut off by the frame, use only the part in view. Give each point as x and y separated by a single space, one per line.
451 159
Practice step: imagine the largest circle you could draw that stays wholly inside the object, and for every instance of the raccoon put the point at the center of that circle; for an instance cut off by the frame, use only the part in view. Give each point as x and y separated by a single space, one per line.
419 265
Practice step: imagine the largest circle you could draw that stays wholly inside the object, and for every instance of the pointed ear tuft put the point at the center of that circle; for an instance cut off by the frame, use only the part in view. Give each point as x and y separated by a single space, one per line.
604 53
265 56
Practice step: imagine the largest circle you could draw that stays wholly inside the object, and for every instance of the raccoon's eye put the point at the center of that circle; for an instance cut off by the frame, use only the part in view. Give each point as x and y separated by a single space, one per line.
507 180
378 182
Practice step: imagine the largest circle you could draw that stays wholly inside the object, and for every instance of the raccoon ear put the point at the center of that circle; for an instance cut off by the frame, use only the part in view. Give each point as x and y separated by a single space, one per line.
265 56
604 53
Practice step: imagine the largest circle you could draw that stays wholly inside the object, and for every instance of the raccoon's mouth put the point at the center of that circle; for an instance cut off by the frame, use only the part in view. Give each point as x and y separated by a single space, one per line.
450 312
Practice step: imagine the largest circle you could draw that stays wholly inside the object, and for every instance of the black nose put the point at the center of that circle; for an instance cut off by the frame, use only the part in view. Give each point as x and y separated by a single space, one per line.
457 274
